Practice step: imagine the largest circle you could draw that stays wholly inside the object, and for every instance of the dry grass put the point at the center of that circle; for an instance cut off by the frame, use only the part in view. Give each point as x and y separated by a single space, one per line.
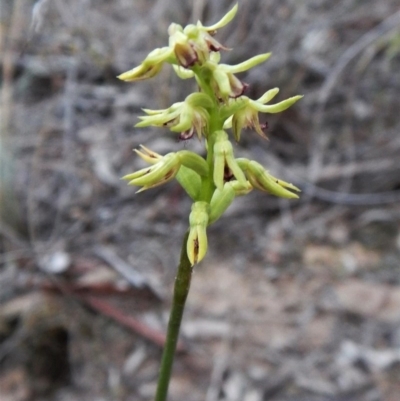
263 314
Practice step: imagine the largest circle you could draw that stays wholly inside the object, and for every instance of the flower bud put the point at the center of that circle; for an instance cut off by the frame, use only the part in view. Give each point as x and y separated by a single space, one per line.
193 161
188 116
190 181
226 84
197 242
222 199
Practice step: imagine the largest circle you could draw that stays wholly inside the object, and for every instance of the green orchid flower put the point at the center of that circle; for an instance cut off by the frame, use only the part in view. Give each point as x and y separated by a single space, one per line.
185 117
165 168
261 179
246 114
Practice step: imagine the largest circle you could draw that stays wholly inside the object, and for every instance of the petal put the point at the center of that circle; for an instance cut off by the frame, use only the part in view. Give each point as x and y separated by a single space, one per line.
148 155
246 65
268 96
238 123
236 170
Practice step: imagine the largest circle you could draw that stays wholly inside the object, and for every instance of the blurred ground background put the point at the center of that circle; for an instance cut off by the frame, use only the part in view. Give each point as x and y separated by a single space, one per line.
296 301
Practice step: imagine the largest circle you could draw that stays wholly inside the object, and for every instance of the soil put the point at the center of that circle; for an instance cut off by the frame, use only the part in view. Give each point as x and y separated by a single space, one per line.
295 301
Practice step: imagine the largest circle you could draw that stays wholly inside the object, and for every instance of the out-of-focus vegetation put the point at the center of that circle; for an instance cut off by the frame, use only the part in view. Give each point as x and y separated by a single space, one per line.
319 278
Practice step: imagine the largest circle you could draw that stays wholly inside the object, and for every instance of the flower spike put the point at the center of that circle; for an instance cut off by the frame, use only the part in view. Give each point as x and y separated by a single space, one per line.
212 181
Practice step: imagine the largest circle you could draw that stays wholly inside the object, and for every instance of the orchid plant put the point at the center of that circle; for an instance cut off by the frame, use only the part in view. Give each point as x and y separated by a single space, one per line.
213 181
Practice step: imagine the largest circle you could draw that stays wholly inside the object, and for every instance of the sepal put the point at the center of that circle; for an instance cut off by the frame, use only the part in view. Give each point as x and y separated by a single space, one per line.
225 20
148 155
268 96
189 181
193 161
278 107
246 65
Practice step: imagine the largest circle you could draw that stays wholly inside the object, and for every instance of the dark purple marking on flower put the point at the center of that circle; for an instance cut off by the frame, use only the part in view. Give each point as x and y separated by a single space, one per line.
213 44
169 175
214 48
264 126
239 91
170 123
228 175
186 135
245 87
196 248
192 61
186 55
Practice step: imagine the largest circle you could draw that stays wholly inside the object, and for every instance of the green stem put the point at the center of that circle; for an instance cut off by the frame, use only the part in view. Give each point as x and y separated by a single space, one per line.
181 290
